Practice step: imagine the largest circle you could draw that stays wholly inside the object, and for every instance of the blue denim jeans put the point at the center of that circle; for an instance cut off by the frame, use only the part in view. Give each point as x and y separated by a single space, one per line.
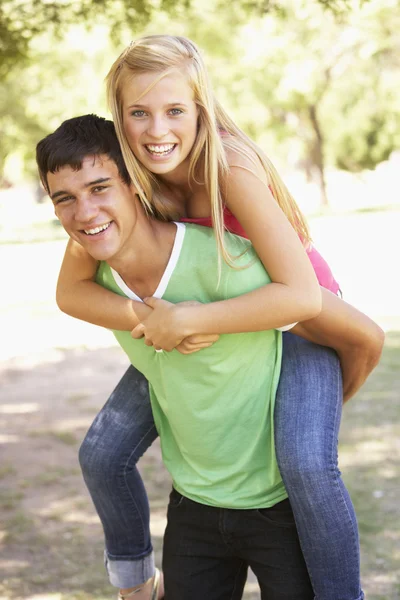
307 420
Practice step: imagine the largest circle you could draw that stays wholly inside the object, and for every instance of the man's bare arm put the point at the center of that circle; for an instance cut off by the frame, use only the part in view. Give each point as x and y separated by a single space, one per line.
357 339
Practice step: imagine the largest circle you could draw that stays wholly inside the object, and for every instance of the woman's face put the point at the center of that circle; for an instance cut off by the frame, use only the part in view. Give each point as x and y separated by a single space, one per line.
161 124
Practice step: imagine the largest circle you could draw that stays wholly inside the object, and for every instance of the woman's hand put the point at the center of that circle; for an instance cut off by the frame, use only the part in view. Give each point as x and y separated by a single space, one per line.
166 328
194 343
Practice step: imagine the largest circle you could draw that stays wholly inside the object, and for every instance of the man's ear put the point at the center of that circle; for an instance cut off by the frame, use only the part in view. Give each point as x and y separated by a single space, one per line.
133 189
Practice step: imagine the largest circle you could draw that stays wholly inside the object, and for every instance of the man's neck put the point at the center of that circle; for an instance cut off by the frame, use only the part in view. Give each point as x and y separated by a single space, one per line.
144 264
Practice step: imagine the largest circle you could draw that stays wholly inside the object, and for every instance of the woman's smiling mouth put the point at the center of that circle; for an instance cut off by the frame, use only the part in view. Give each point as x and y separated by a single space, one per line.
160 150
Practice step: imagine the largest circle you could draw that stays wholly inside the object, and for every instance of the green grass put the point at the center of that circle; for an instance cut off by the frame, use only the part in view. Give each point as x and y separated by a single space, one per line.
370 450
10 499
65 437
78 398
6 471
54 475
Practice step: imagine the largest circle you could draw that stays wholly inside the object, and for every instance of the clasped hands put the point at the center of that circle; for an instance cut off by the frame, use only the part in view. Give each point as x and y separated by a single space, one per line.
167 327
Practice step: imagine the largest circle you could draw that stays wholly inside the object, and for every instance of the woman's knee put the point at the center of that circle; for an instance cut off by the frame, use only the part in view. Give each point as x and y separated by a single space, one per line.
122 430
107 450
94 457
299 467
309 470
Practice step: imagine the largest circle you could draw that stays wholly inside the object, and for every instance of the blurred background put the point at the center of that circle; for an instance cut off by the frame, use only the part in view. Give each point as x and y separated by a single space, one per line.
316 84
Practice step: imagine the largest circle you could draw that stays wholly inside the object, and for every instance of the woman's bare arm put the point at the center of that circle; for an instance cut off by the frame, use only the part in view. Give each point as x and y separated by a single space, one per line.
79 296
294 294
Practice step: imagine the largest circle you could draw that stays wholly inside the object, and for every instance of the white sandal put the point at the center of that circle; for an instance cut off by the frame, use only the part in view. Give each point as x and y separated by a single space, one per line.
154 589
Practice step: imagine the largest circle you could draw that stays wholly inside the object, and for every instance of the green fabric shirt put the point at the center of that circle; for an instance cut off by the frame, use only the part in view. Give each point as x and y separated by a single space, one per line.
213 409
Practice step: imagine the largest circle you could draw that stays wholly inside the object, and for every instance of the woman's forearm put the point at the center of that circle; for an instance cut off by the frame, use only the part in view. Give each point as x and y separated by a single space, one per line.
269 307
100 306
79 296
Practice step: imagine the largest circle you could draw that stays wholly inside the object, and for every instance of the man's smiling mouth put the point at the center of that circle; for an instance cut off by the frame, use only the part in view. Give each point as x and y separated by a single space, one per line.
98 229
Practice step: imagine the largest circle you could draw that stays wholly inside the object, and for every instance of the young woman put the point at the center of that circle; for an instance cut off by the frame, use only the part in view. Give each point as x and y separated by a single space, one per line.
188 160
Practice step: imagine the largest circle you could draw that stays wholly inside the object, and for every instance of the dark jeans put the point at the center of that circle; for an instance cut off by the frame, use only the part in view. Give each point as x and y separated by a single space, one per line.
207 551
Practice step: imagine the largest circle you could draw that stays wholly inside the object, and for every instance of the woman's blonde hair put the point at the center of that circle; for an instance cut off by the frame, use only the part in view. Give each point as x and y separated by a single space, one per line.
163 54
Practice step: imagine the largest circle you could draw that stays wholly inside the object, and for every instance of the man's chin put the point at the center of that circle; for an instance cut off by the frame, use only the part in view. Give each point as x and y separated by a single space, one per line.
97 253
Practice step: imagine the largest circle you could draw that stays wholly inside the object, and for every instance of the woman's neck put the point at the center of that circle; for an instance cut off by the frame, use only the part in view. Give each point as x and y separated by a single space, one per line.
177 180
180 181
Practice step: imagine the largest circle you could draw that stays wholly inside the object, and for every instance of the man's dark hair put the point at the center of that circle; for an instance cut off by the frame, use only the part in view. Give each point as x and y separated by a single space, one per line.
74 140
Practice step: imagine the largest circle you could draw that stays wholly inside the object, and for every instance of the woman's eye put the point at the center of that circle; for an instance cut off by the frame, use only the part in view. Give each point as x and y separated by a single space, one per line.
138 113
99 188
176 111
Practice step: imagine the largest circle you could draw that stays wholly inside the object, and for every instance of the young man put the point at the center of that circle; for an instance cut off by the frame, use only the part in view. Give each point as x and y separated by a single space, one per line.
213 410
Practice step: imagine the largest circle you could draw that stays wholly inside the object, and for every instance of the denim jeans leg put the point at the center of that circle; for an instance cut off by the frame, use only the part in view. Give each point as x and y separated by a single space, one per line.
118 437
307 420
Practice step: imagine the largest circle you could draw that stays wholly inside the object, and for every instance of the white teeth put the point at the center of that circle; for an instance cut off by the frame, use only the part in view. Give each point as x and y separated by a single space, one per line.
160 149
97 229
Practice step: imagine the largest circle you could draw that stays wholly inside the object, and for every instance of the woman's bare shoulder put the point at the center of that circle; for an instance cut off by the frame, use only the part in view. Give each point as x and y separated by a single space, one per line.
243 159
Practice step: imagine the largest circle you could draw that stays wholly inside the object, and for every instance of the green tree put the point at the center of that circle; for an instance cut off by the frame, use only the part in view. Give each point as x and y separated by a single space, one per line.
325 87
366 94
61 81
23 20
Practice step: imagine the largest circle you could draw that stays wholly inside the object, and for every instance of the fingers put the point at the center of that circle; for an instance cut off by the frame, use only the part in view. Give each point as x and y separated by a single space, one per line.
151 301
210 338
138 332
191 350
186 347
189 345
156 347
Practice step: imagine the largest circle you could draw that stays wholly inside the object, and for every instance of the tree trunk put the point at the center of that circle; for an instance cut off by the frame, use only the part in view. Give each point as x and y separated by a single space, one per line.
317 154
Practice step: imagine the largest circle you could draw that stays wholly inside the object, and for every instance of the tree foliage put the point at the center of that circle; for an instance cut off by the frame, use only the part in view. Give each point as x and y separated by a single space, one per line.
23 20
322 90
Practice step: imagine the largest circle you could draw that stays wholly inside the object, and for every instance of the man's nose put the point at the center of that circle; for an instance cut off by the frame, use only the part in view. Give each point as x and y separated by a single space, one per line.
86 210
158 127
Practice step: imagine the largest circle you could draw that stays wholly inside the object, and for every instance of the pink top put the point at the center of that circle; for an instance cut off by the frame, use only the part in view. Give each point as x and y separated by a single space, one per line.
321 267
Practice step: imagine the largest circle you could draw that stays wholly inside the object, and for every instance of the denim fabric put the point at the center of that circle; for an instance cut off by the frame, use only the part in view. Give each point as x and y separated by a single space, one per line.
307 418
207 551
118 437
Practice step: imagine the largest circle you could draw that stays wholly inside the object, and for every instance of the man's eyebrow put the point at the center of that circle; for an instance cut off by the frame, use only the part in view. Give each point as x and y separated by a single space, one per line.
87 185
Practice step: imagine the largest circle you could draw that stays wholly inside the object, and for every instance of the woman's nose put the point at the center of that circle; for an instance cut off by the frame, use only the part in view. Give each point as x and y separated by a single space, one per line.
158 127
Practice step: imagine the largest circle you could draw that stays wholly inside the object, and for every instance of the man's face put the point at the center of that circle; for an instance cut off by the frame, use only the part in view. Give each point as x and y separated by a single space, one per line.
95 207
